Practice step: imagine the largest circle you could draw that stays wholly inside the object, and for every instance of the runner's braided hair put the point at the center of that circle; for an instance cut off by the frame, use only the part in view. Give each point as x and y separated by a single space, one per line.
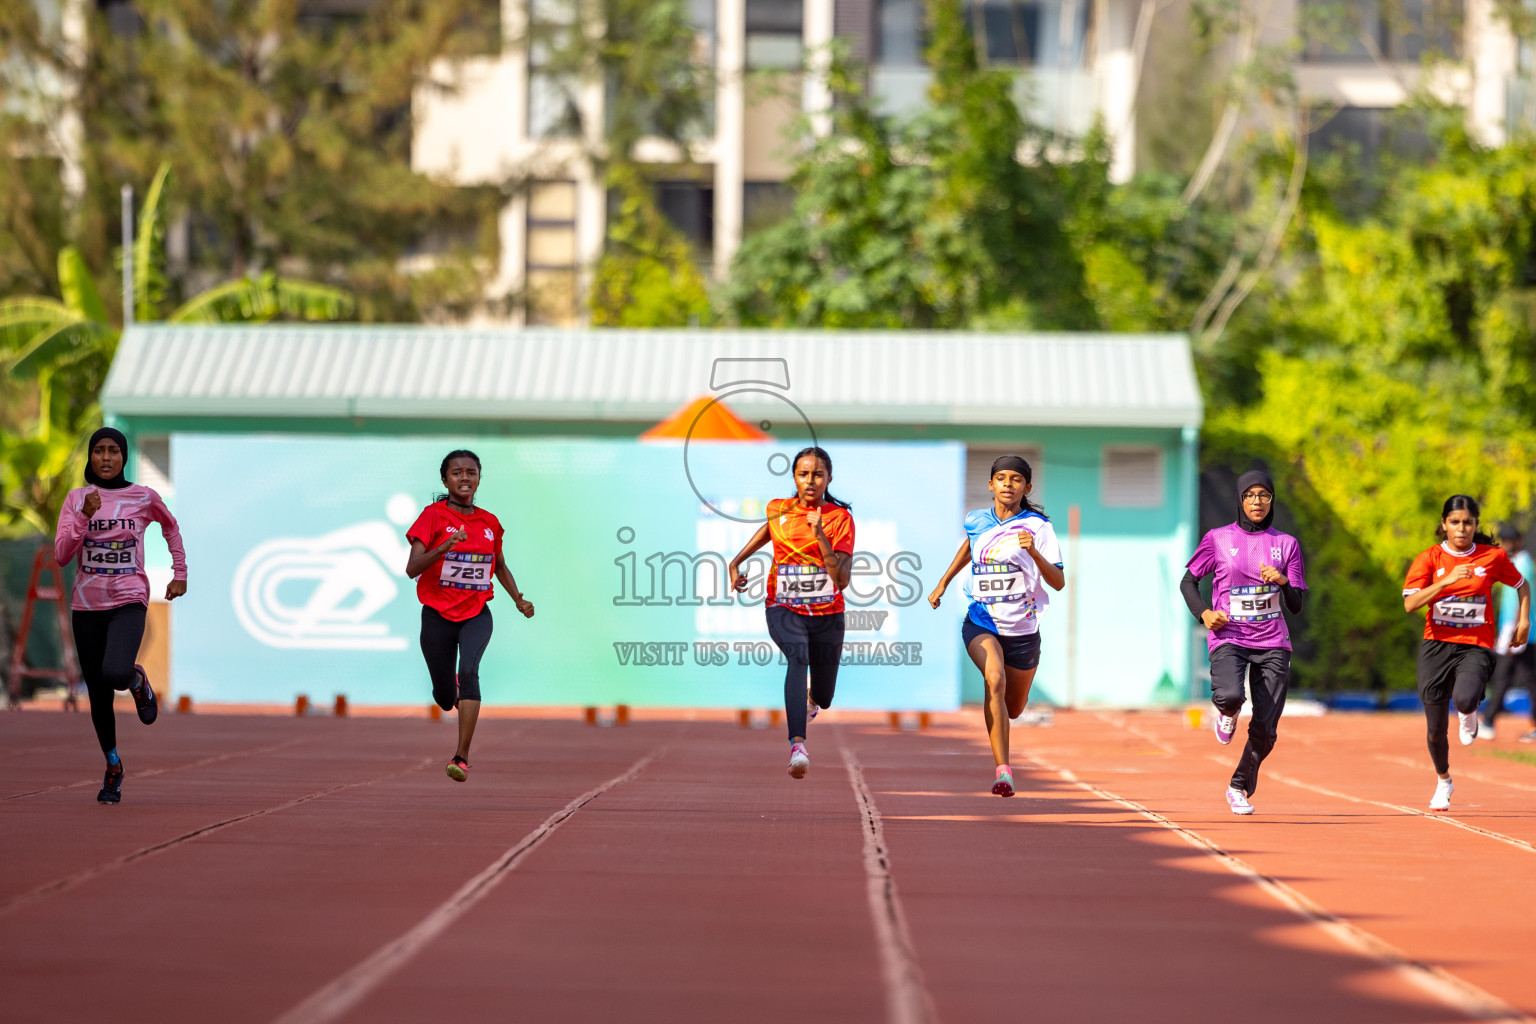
821 454
442 471
1462 503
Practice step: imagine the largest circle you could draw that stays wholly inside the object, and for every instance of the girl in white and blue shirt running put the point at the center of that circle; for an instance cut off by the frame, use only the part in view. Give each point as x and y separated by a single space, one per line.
1013 553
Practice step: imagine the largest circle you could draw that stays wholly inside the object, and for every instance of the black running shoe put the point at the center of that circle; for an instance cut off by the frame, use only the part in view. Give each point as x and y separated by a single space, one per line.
144 696
112 785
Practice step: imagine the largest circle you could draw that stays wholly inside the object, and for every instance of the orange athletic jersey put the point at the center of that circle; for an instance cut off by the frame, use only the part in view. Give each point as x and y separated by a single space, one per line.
1461 614
808 587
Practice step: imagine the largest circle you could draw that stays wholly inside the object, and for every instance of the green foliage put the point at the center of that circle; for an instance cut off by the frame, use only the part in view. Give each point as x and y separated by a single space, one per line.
647 276
1363 457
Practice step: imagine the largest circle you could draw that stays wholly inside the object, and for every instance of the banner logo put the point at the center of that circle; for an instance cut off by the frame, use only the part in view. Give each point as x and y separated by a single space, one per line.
321 593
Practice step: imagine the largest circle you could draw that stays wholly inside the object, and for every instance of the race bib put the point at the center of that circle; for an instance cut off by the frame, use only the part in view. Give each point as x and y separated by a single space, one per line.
464 571
992 582
803 585
1460 612
110 557
1255 604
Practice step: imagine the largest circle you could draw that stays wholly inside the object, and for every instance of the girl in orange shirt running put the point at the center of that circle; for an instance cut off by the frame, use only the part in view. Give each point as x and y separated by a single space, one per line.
812 534
1454 579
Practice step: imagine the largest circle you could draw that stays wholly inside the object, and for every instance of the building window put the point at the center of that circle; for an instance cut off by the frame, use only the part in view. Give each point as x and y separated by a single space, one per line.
1367 132
552 109
690 208
899 34
1369 30
775 34
1131 478
551 255
1008 33
978 467
765 203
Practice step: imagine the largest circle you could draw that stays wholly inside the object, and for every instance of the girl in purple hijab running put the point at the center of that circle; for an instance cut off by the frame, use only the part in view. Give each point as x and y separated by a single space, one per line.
1256 569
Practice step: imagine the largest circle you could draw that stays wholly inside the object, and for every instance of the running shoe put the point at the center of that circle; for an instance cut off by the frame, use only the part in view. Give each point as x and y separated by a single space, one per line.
112 785
1238 801
1226 725
1004 784
811 708
144 696
799 761
1468 728
1528 737
1441 801
1485 729
458 769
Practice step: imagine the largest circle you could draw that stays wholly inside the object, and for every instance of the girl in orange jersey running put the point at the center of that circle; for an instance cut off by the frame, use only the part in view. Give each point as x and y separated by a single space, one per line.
812 534
1454 579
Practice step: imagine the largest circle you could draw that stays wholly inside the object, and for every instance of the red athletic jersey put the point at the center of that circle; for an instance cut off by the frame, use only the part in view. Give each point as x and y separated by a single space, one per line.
1462 613
459 583
808 587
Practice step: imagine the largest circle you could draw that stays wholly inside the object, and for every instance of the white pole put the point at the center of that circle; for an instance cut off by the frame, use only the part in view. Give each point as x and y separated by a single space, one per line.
127 255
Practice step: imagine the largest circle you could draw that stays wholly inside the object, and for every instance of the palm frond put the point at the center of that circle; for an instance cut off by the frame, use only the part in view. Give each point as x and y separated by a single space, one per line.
77 287
149 285
259 299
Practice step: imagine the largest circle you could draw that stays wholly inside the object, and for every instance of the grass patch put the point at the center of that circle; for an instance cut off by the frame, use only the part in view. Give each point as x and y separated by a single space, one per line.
1522 756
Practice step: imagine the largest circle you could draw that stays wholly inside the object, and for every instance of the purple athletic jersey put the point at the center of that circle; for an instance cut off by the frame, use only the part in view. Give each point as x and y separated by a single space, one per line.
1234 556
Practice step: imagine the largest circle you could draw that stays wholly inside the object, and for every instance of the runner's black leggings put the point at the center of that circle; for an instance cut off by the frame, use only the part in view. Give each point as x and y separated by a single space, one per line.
454 648
107 643
811 643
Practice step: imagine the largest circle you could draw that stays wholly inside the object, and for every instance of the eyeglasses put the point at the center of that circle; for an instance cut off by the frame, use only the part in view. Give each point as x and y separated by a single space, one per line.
1262 499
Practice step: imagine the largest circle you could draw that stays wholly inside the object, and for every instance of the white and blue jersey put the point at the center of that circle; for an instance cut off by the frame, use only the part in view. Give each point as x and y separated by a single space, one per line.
1006 591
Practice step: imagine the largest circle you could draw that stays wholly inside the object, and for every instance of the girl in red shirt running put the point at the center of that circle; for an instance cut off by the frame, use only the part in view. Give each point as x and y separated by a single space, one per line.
1454 579
455 552
812 534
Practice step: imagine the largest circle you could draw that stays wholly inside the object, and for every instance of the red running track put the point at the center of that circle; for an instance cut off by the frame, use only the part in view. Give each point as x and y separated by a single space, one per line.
272 869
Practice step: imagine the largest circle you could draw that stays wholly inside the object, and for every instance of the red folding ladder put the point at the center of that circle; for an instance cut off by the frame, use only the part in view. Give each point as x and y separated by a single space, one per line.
43 562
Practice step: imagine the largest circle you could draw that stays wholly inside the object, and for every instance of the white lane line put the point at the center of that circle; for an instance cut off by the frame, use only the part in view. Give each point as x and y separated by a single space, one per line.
906 999
1121 723
1439 816
152 772
1410 763
1449 989
79 878
348 989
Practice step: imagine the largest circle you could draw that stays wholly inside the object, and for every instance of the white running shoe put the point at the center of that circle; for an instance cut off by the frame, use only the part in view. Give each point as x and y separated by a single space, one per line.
1441 801
1238 801
799 761
1468 728
1225 726
811 710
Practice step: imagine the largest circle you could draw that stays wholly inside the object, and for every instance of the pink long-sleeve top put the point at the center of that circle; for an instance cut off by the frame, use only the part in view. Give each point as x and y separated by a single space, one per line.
111 545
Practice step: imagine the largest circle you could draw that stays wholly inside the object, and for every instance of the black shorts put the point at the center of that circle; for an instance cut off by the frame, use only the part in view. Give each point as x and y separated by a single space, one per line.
1442 664
1020 652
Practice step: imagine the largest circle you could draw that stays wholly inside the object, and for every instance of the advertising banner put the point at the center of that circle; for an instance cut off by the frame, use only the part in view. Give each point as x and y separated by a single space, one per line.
296 549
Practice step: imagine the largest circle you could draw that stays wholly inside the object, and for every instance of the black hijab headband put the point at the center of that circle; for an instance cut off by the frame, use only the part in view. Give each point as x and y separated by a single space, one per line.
1254 478
116 436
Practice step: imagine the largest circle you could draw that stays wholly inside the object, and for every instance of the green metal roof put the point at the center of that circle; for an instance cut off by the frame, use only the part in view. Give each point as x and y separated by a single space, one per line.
537 374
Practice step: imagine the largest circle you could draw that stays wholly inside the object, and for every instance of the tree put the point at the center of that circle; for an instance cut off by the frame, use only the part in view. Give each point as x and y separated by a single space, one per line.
290 131
56 353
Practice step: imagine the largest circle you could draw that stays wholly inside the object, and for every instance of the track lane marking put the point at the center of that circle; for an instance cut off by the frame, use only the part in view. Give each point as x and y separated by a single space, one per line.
1121 723
68 882
906 998
1440 816
1409 763
1453 991
352 986
152 772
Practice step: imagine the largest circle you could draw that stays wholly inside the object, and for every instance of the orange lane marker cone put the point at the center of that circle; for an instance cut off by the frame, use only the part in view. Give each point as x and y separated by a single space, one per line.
301 705
590 715
341 705
1194 718
621 714
184 705
435 713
